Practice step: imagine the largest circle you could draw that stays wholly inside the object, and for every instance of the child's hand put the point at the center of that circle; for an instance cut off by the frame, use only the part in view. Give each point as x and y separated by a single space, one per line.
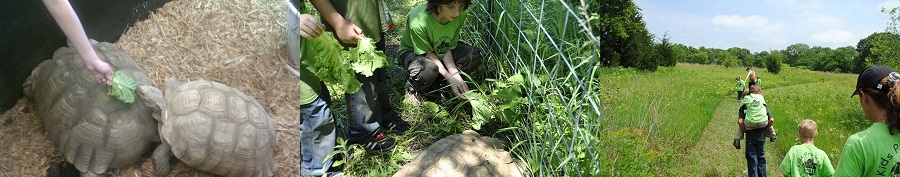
348 32
310 27
457 85
101 71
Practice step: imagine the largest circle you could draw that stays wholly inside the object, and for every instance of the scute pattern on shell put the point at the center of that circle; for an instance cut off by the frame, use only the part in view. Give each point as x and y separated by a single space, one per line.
93 131
218 129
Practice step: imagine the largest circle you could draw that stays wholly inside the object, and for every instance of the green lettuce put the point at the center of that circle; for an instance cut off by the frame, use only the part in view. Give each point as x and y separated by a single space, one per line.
122 87
337 67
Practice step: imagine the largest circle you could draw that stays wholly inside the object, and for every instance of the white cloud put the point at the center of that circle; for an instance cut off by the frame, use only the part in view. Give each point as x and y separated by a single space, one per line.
819 19
739 21
754 23
833 36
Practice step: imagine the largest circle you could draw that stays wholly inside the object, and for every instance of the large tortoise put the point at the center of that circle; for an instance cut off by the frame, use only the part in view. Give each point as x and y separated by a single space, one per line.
212 127
92 130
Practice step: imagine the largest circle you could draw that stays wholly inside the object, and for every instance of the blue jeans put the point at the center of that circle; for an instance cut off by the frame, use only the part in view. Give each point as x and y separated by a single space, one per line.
369 107
755 153
317 135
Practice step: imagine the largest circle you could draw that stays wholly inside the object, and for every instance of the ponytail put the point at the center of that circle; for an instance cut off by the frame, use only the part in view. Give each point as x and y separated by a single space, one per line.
893 116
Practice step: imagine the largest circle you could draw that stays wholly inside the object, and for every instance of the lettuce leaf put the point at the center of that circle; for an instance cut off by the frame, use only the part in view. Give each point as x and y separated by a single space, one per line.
337 67
122 87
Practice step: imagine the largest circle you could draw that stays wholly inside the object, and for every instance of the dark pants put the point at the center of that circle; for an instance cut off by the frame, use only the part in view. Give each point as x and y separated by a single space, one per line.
755 153
423 73
740 94
317 135
371 105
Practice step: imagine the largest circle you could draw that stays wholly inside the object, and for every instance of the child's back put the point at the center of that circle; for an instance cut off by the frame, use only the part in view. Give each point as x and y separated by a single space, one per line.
806 159
756 108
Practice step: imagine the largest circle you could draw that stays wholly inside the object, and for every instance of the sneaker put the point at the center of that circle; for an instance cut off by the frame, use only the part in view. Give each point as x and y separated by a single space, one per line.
398 126
378 143
737 144
773 138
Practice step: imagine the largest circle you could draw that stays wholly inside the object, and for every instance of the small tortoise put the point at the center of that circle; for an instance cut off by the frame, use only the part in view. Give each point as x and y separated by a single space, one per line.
92 130
212 127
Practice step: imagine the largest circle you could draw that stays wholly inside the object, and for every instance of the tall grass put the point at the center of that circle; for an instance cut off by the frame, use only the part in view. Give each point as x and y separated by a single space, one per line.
557 127
670 109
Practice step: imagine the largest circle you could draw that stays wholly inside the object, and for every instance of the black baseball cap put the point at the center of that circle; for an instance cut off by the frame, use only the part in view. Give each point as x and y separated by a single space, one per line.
871 78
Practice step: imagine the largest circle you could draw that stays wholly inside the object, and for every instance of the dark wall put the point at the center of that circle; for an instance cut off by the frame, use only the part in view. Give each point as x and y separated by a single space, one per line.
29 35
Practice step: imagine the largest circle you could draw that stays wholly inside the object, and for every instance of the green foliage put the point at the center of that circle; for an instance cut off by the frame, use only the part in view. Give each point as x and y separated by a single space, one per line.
624 38
795 52
122 87
503 102
887 46
667 52
774 62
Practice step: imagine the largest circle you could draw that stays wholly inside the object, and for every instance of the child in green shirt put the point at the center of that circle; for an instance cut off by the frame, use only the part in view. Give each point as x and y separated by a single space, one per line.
753 114
739 87
430 49
806 159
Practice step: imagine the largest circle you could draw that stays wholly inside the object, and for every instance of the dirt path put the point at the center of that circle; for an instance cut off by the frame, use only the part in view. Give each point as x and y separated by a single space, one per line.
713 155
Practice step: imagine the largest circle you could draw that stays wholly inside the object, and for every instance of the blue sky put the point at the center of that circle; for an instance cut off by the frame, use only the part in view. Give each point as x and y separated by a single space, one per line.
761 25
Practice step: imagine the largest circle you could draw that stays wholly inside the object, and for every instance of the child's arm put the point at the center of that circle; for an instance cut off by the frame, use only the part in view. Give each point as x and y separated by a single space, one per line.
457 84
346 31
68 21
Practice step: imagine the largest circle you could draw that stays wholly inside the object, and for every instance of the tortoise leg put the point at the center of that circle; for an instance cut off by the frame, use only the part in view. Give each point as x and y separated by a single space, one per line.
161 159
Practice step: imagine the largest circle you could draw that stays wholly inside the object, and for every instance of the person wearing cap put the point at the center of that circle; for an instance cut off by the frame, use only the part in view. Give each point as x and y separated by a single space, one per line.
875 151
806 159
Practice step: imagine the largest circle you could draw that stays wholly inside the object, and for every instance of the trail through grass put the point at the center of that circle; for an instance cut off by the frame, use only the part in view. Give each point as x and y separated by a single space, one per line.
713 155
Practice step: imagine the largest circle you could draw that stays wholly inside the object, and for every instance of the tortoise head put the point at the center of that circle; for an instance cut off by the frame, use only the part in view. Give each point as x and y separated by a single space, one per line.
153 99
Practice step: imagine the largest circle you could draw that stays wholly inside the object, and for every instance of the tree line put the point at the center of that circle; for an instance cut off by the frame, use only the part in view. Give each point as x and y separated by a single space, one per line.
626 42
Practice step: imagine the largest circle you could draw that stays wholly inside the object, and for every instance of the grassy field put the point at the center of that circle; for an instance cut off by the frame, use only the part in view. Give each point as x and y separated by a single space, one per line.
680 120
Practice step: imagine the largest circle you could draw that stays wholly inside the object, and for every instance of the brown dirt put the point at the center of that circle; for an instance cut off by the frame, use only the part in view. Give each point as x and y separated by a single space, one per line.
240 43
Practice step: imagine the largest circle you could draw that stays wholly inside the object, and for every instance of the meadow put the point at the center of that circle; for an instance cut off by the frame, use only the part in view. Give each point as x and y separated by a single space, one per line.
681 120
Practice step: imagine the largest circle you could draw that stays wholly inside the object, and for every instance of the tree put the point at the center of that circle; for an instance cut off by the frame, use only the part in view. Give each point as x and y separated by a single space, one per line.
743 55
624 38
878 48
667 52
773 62
730 60
699 57
794 52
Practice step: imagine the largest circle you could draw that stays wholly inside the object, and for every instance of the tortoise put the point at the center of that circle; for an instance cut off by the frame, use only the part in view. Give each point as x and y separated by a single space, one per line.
212 127
92 130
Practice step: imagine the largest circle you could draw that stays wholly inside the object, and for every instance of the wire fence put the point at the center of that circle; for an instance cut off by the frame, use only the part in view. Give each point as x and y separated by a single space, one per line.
550 44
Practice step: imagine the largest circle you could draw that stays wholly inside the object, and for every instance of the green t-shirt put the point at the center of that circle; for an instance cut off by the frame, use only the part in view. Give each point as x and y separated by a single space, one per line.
871 152
756 108
310 85
424 34
739 86
806 160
